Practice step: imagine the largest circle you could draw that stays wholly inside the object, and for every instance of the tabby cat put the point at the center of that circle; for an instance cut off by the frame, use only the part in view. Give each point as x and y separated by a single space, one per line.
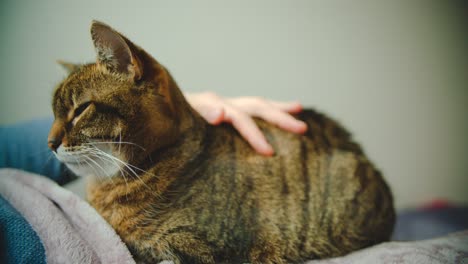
176 188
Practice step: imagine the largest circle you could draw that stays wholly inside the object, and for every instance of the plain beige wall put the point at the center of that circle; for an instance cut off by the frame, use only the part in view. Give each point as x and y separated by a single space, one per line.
394 72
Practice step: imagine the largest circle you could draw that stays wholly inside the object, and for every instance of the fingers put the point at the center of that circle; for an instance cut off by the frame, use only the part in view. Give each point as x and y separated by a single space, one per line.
245 125
209 106
213 115
282 120
290 107
274 112
239 112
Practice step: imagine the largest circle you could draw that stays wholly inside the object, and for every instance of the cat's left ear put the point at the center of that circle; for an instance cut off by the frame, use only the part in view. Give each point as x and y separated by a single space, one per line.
69 67
115 52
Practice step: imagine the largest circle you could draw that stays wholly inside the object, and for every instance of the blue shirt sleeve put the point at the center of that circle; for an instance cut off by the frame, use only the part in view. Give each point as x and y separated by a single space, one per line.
24 146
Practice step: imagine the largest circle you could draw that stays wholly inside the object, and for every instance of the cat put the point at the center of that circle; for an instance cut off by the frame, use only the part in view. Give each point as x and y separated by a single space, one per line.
176 188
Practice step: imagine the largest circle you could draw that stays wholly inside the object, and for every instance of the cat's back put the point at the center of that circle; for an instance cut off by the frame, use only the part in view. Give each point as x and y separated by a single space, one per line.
317 196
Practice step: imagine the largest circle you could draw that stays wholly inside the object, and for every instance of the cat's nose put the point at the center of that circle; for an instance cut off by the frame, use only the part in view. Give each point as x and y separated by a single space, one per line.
54 143
55 135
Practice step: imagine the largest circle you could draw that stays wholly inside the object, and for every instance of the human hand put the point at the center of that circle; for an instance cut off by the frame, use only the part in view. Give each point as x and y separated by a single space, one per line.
239 112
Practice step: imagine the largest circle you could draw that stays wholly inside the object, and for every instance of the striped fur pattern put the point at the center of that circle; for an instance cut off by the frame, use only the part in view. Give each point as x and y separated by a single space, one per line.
190 192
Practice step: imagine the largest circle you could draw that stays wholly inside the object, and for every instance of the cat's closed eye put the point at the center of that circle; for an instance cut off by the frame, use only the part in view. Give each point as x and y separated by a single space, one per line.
80 109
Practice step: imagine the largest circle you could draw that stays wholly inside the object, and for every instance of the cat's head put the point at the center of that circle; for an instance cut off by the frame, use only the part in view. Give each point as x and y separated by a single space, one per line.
116 111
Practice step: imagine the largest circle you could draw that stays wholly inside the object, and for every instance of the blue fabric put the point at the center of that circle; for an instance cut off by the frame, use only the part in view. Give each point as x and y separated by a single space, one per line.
24 146
18 241
417 224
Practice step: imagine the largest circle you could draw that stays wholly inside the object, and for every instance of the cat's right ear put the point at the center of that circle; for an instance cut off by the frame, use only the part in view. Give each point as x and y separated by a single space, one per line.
69 67
113 52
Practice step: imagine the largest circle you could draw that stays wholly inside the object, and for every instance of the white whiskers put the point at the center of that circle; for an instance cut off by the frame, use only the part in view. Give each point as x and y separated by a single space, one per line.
97 158
130 167
117 143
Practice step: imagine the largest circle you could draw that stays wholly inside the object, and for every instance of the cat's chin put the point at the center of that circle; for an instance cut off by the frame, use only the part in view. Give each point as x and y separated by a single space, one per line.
85 162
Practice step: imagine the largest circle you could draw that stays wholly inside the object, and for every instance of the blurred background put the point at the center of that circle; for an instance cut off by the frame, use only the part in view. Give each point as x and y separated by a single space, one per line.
395 73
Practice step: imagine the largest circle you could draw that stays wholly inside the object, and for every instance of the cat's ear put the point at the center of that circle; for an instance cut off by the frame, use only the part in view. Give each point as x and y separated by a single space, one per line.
114 51
69 67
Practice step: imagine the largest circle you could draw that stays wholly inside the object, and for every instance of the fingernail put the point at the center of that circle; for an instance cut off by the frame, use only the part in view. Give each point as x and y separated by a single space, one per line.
267 149
215 116
296 107
301 126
